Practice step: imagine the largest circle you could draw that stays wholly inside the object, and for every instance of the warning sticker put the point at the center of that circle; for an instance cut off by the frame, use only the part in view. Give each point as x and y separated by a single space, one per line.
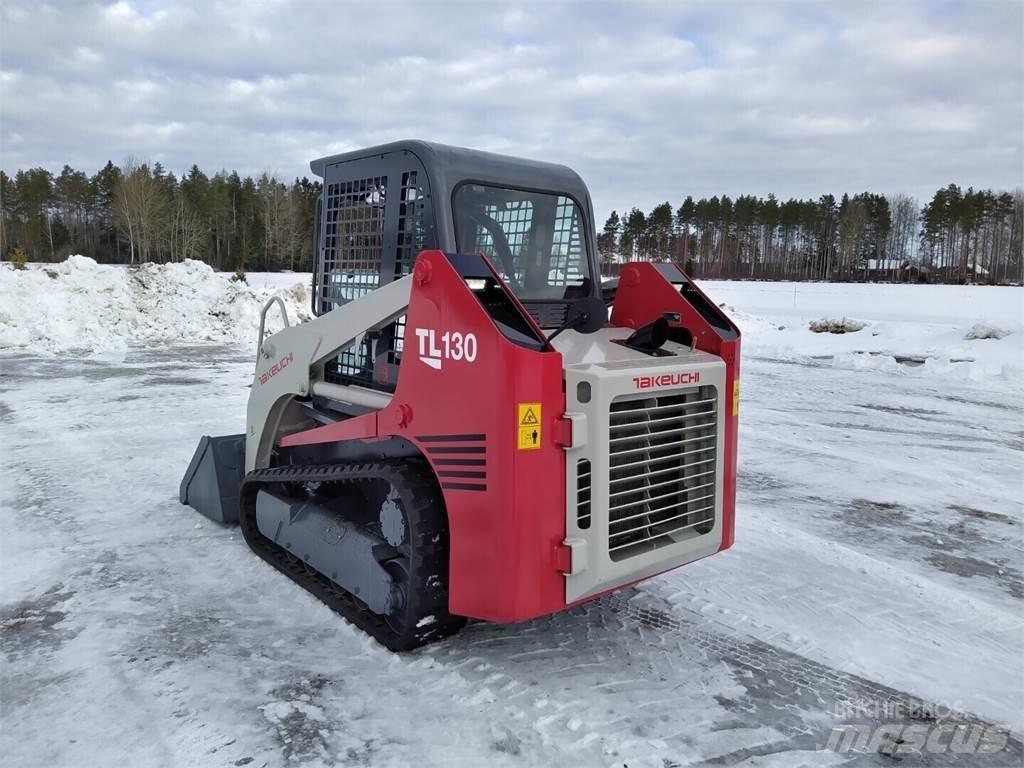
736 397
528 426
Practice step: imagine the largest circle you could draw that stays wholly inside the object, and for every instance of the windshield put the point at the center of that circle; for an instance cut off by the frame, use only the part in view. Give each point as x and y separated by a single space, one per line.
534 239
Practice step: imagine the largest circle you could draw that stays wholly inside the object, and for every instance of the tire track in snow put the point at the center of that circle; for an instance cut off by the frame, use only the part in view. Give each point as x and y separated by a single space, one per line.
655 685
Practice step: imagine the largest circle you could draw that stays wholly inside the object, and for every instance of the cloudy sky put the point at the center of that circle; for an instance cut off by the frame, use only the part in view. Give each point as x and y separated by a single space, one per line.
647 101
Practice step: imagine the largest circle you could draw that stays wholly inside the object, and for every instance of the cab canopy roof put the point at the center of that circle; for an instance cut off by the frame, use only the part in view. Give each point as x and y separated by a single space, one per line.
448 166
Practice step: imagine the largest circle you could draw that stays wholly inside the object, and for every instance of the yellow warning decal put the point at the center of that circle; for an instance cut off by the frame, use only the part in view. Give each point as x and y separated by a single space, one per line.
528 426
736 397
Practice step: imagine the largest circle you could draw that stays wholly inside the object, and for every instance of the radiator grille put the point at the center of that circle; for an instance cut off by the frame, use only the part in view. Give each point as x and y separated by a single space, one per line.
662 461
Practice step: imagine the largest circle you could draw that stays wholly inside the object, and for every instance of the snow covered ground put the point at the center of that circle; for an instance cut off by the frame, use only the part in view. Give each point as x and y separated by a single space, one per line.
878 560
906 326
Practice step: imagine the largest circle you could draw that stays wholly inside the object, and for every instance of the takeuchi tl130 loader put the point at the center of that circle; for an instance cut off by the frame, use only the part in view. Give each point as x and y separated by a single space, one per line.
465 430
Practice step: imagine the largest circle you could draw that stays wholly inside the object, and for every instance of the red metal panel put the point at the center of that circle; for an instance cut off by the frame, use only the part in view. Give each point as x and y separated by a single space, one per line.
644 295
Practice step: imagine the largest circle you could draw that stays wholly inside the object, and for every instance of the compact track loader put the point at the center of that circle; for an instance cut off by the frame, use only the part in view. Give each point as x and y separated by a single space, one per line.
465 430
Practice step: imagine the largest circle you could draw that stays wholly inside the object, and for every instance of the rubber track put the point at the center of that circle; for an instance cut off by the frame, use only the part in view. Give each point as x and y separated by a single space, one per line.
418 491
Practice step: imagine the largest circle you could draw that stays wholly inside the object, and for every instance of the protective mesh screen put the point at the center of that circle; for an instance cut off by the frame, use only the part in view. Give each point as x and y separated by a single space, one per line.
515 220
567 245
412 237
372 235
353 239
543 233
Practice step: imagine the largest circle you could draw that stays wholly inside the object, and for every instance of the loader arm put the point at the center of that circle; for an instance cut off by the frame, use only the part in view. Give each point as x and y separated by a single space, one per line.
290 364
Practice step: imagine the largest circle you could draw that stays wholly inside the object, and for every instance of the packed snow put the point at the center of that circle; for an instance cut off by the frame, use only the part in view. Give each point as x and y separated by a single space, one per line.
79 305
833 325
878 555
980 331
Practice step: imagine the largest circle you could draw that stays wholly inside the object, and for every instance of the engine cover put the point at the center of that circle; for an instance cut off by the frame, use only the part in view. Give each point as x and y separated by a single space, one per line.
644 473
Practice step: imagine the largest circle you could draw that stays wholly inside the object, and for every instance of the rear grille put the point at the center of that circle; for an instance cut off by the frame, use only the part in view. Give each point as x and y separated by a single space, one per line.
548 314
662 461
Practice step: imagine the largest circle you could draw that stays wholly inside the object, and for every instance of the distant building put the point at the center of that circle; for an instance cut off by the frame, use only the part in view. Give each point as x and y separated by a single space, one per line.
892 271
948 271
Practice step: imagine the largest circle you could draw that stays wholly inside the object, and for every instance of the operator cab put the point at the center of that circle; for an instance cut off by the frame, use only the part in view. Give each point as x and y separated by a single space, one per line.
380 207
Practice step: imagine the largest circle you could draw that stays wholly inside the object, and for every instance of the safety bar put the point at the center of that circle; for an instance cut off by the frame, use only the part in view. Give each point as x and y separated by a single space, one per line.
263 321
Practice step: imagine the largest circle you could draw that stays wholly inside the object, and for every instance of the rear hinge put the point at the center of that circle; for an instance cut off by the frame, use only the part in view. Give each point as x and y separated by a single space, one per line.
570 431
571 556
562 432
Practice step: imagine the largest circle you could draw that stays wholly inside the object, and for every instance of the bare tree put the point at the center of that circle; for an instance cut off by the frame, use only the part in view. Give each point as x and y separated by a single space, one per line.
139 207
851 234
902 239
274 207
186 230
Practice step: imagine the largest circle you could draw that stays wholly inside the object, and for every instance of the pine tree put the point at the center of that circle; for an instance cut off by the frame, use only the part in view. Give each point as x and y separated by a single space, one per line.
658 232
684 219
633 230
607 241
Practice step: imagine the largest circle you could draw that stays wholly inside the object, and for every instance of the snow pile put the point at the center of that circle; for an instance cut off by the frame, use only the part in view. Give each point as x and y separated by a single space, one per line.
832 325
985 331
84 306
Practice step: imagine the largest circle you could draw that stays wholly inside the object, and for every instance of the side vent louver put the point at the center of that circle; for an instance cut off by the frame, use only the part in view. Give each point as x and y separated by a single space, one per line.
460 460
583 494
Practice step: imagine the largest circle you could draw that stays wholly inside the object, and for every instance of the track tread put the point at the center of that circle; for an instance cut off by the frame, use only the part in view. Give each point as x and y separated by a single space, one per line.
421 499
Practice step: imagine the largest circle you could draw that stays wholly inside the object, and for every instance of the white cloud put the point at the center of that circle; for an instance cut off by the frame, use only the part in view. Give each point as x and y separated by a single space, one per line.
648 101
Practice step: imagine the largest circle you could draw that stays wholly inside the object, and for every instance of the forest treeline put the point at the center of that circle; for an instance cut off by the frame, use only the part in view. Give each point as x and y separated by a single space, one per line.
140 212
958 236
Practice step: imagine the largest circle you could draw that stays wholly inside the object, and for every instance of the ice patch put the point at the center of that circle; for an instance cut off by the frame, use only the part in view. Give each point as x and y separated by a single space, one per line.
482 696
280 711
